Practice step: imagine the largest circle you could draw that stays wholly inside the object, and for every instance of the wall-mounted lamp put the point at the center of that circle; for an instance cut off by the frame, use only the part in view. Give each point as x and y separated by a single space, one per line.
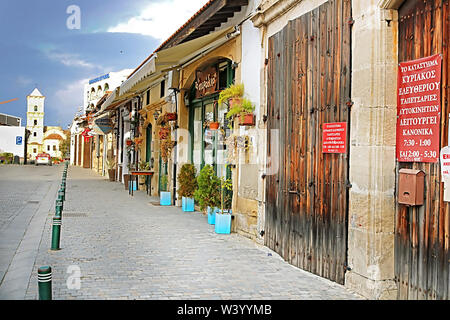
156 114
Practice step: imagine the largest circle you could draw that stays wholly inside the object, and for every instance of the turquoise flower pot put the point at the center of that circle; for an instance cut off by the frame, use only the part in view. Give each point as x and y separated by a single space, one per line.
165 198
223 223
187 204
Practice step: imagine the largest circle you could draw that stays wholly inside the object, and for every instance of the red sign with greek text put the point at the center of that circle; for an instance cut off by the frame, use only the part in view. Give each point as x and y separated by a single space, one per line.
334 137
419 110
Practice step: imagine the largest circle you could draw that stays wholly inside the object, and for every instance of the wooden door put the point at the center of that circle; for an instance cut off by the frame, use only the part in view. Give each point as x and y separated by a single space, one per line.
309 85
87 153
422 232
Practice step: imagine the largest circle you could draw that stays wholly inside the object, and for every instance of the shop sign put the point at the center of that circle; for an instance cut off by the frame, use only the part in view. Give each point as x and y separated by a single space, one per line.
419 110
103 125
334 137
207 82
87 134
445 162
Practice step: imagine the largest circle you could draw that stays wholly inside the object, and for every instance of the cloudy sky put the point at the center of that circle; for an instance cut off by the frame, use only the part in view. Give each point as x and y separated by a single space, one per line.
38 49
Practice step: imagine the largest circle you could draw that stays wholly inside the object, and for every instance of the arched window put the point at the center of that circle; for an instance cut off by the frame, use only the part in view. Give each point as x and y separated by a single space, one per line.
106 87
99 92
35 108
92 93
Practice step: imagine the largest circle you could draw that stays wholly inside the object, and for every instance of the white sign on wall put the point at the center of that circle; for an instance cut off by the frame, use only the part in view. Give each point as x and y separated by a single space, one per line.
12 140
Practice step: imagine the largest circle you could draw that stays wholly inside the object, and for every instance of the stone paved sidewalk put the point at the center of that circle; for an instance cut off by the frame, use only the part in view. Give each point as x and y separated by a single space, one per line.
127 248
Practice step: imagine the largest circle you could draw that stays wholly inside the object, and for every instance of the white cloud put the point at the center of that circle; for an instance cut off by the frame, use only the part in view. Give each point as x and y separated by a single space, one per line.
161 19
70 60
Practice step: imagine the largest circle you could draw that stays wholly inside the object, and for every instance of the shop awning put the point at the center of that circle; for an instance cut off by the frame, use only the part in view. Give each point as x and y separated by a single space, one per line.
170 58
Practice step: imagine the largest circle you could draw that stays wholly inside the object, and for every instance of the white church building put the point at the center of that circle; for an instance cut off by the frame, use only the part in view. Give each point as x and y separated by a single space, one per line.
42 139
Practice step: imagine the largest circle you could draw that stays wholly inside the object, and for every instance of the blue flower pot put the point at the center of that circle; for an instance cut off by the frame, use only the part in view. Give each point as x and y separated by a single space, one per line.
132 185
187 204
223 223
211 215
165 198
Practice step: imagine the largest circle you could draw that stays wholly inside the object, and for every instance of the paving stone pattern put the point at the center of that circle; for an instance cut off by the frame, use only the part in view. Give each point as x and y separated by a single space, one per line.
127 248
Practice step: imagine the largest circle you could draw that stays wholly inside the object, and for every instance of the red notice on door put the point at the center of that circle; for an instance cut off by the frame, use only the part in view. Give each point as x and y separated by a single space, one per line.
334 137
419 110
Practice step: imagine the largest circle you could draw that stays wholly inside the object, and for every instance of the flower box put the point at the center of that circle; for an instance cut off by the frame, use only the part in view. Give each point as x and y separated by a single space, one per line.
247 119
223 223
187 204
165 198
212 215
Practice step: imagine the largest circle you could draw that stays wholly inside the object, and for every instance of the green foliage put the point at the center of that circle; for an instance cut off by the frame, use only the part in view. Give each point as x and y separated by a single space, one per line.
226 195
233 91
242 107
164 182
187 181
208 192
110 163
6 157
143 165
65 146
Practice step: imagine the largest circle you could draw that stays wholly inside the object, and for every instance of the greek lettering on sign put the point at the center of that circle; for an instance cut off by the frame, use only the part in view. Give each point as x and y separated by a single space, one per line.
418 110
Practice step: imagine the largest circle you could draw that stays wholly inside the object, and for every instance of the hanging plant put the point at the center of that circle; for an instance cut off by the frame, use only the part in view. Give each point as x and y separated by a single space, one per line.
166 149
138 141
170 116
164 133
244 109
234 91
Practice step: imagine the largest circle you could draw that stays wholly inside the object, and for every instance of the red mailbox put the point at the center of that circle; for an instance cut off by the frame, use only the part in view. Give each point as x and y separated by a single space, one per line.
411 184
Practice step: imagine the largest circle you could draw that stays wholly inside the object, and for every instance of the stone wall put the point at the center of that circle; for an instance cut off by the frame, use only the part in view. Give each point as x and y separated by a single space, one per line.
372 151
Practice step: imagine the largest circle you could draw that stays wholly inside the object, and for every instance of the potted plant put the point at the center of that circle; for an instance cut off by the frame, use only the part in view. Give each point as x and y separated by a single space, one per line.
244 109
187 186
208 192
166 149
232 94
111 169
143 166
164 133
170 116
165 196
223 216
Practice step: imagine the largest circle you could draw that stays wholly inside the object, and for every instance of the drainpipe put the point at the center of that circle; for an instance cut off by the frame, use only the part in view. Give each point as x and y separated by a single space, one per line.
175 91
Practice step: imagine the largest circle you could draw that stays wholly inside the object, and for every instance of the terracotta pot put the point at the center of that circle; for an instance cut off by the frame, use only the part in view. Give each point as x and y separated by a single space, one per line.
112 174
233 101
247 120
214 125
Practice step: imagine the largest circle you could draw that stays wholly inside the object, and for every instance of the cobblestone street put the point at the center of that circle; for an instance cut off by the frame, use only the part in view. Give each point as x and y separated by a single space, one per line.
128 248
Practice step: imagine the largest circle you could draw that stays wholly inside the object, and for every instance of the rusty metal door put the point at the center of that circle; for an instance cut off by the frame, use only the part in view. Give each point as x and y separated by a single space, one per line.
422 233
308 71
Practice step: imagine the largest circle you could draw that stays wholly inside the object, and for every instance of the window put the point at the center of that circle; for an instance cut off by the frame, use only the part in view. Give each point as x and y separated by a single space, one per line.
106 87
34 134
34 150
35 122
54 148
163 89
48 148
148 98
35 108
